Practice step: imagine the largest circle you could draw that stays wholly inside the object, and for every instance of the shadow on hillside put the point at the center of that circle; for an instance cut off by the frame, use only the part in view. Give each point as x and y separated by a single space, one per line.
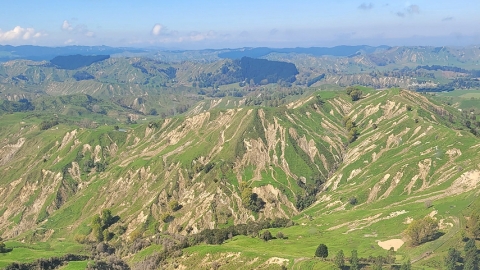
437 235
6 250
115 219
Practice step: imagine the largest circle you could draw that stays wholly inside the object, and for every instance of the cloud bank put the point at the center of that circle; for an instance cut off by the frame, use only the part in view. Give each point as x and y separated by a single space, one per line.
20 33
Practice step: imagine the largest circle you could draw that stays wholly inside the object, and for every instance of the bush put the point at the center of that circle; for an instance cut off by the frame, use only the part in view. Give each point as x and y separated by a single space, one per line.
44 125
165 217
322 251
2 247
353 200
280 235
80 238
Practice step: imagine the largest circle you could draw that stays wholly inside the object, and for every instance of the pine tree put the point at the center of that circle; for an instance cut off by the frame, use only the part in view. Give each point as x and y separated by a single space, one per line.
354 261
340 259
451 259
406 265
471 258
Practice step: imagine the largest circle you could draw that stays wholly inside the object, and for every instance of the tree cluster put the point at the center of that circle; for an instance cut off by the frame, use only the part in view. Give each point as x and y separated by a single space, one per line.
100 225
16 106
351 127
310 191
354 92
472 226
46 124
82 76
421 231
50 263
250 199
356 263
218 236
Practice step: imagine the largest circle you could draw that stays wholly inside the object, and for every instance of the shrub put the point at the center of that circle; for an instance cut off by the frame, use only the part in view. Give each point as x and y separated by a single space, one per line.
174 206
322 251
266 235
80 238
165 217
2 247
353 200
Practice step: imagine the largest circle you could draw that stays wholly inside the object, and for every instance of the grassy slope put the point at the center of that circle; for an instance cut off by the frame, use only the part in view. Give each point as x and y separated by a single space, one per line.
363 228
149 167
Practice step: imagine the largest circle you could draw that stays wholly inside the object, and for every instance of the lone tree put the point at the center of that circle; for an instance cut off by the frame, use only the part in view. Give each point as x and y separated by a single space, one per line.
322 251
340 259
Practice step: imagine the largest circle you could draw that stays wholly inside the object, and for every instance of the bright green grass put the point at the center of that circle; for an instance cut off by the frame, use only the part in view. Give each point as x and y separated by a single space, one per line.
75 265
459 93
145 253
30 252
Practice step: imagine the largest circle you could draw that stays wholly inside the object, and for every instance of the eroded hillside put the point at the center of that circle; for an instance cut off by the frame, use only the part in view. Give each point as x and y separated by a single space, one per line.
186 174
198 161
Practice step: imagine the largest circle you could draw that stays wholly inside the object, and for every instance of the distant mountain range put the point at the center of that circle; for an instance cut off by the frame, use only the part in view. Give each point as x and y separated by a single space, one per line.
315 51
39 53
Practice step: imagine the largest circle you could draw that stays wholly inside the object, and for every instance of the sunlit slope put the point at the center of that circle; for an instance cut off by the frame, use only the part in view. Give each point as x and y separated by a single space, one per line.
58 178
409 149
412 158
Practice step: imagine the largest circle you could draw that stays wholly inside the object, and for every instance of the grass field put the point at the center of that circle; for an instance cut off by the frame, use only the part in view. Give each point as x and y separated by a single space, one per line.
22 252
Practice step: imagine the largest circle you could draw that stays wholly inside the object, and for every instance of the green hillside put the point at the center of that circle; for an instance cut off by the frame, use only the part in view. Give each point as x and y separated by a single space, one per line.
196 190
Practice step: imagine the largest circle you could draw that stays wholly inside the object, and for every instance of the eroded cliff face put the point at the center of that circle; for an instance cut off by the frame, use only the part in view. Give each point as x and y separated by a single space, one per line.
198 161
201 162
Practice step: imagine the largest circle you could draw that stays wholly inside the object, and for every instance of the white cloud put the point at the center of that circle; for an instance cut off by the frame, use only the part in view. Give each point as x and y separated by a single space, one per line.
79 29
69 41
157 29
20 33
67 26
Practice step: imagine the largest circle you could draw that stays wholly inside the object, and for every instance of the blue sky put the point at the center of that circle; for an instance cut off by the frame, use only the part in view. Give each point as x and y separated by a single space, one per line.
182 24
